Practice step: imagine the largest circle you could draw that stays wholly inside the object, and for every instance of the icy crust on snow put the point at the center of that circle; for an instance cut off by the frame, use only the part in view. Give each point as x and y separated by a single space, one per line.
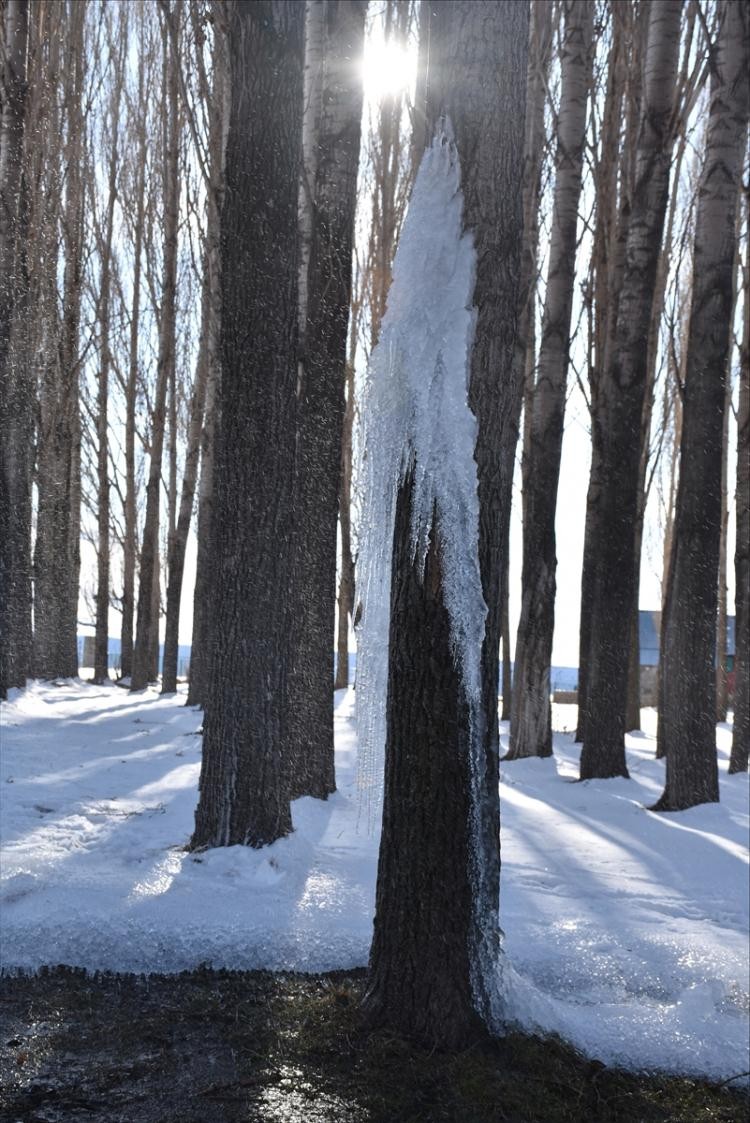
625 931
416 416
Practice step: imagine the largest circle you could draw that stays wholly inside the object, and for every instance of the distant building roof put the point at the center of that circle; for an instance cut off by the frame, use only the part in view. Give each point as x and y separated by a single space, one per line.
649 628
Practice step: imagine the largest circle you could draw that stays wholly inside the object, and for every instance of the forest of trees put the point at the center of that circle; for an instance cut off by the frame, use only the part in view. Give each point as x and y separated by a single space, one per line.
201 215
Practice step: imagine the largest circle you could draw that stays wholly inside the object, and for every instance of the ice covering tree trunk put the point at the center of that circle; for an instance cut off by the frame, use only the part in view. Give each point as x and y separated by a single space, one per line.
58 524
439 397
320 402
147 624
346 576
16 426
244 795
740 755
687 730
621 391
531 713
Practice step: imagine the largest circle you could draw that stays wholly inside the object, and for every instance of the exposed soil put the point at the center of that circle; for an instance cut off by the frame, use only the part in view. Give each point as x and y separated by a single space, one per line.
224 1047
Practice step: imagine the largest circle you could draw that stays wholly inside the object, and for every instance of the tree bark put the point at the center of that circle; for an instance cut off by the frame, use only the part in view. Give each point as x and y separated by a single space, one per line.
613 169
740 755
431 968
320 404
346 576
178 539
244 796
57 546
16 426
101 633
540 45
622 392
687 729
531 714
146 626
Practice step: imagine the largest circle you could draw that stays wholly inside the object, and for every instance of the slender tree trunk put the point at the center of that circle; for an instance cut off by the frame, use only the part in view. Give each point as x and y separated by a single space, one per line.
622 393
147 627
687 729
320 404
131 529
722 684
432 968
613 170
531 714
244 794
178 539
540 44
201 650
16 426
101 634
346 577
738 761
57 547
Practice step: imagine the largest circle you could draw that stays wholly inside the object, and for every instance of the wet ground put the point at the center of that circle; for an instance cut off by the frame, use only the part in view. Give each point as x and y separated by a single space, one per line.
225 1047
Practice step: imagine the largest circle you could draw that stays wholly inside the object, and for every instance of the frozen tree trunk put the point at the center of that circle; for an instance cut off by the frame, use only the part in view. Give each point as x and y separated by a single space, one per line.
320 403
432 968
244 794
147 626
531 714
687 730
740 755
622 390
16 425
505 670
57 547
101 633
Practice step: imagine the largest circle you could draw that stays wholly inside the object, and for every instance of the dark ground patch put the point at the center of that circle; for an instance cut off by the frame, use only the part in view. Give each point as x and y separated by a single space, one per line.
224 1047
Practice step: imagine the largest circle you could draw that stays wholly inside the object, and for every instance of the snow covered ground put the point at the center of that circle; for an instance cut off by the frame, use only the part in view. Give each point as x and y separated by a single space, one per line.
627 932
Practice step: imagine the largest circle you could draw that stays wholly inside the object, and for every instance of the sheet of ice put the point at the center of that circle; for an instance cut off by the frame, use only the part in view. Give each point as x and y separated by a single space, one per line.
415 412
626 932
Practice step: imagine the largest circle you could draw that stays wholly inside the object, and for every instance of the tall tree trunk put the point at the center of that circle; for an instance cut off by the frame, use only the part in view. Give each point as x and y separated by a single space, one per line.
622 391
432 969
244 794
130 544
57 547
16 426
320 404
146 626
346 577
178 538
722 670
201 650
740 755
687 729
101 633
540 44
531 714
613 170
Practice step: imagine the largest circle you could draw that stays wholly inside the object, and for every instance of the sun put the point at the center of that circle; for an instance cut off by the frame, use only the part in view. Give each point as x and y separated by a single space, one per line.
387 67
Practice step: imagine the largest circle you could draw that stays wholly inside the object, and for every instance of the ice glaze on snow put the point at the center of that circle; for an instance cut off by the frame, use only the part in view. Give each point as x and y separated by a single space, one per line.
625 931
